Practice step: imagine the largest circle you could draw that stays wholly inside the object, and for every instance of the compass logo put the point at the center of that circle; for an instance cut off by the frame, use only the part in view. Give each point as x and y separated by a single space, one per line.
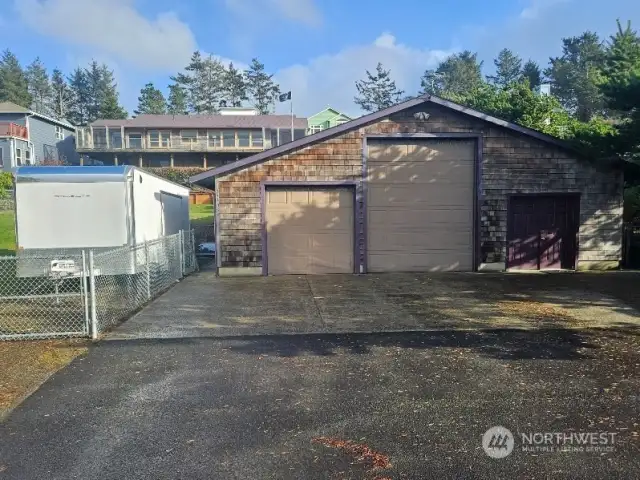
497 442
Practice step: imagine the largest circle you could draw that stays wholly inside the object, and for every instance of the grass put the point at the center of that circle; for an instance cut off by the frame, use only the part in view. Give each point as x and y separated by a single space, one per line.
25 365
7 233
201 214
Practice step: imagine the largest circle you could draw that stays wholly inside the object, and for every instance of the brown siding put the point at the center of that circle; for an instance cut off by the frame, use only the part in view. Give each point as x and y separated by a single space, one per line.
512 163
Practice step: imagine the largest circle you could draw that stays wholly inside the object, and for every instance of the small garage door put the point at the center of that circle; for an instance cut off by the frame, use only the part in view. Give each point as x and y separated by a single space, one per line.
420 205
309 230
542 231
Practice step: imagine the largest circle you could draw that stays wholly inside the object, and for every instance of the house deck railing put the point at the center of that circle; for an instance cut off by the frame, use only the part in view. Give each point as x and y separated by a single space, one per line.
9 129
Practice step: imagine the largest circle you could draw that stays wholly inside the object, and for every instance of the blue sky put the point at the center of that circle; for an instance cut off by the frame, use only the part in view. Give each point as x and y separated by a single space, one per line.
316 48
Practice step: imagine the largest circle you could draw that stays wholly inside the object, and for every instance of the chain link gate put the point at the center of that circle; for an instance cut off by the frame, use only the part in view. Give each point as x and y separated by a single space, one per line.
81 294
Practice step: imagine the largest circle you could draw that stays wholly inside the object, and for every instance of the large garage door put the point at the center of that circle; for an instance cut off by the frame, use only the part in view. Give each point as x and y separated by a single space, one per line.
309 230
420 205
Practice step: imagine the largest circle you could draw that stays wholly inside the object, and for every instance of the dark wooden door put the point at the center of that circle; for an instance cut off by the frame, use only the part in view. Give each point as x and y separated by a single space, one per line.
542 232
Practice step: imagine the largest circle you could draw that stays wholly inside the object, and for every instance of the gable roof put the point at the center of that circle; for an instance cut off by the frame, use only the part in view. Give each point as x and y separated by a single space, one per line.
206 121
367 119
10 107
336 113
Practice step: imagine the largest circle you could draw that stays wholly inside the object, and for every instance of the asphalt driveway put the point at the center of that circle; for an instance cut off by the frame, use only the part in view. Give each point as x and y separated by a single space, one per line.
204 305
282 407
409 404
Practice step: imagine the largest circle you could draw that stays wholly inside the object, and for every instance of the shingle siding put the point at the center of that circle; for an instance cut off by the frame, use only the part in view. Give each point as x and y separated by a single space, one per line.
47 147
512 163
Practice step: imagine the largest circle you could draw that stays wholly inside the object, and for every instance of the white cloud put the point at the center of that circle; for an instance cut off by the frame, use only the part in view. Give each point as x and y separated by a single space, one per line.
115 28
302 11
330 79
538 7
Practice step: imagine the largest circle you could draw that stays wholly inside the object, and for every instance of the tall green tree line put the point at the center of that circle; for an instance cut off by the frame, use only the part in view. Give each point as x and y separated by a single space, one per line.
206 85
85 95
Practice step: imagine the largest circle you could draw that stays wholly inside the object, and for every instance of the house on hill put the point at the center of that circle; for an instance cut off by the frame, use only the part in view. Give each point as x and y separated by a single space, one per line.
327 118
30 138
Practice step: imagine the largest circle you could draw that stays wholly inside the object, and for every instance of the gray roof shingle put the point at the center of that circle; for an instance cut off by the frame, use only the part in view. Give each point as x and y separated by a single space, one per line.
206 121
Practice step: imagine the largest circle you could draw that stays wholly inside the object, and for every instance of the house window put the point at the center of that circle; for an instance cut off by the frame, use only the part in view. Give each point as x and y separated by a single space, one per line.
214 139
159 139
18 156
188 137
228 138
135 140
315 129
59 133
244 138
115 139
256 138
27 156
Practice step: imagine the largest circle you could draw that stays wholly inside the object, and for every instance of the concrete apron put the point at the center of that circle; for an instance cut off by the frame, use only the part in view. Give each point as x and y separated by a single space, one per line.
204 305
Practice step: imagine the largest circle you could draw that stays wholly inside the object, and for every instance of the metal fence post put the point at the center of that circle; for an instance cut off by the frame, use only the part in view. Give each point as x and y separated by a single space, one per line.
85 293
193 250
92 286
147 269
181 252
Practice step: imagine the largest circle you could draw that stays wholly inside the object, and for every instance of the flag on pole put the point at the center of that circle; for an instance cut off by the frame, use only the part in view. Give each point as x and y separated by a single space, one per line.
285 96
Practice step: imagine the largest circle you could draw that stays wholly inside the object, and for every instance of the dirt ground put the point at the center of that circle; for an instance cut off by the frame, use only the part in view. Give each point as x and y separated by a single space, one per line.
25 365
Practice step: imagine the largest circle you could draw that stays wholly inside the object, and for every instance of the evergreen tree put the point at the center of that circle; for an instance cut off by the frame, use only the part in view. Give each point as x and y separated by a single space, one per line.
177 103
235 88
261 88
13 81
622 89
39 87
622 57
96 86
457 75
61 96
110 107
210 86
203 81
108 96
531 72
377 91
80 97
576 75
151 101
508 68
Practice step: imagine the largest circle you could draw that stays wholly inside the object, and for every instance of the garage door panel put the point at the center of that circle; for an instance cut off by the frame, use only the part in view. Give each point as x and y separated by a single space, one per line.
399 217
329 219
443 261
414 172
422 241
413 195
309 231
420 206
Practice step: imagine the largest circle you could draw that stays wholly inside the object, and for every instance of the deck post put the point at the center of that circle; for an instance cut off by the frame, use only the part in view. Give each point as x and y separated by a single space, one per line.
204 160
171 160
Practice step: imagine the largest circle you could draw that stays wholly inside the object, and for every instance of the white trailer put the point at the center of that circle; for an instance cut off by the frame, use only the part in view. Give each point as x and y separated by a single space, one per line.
71 209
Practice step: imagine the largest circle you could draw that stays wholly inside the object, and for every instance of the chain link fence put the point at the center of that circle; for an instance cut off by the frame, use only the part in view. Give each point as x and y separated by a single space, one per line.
80 294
